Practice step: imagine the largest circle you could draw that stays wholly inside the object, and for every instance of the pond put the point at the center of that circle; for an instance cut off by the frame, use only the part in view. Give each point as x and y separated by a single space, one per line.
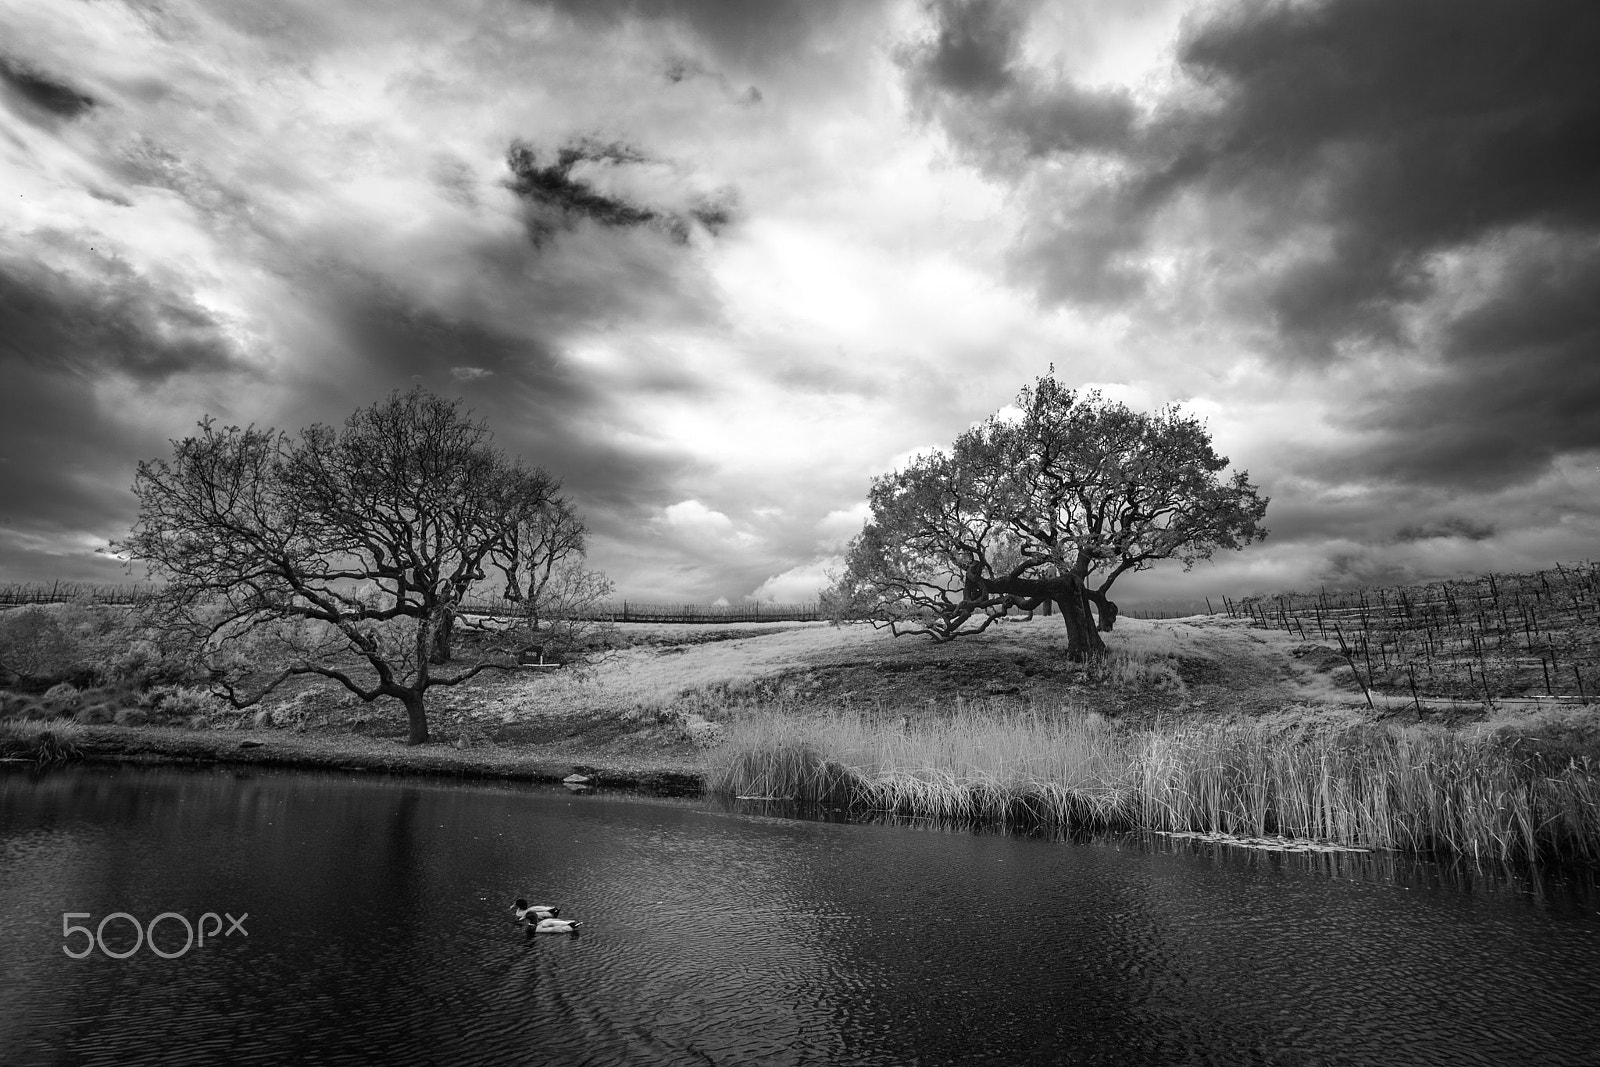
360 919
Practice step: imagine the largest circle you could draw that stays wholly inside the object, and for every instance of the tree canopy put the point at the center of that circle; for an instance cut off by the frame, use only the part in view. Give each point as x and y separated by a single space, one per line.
1049 507
346 552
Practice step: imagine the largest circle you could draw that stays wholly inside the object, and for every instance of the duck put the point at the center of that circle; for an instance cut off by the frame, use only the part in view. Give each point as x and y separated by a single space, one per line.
533 912
553 926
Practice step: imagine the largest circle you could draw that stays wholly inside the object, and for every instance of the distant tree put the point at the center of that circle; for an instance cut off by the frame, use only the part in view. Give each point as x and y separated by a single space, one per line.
541 559
1024 512
345 553
543 537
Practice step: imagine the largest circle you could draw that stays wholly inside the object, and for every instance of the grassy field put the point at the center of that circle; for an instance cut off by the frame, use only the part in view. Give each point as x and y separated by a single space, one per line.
1193 725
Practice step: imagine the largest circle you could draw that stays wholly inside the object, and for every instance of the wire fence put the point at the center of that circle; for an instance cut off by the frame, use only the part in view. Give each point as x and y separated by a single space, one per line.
18 595
640 611
1495 637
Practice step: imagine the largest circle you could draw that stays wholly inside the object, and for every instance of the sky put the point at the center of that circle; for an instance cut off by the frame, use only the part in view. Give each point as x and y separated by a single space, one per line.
718 263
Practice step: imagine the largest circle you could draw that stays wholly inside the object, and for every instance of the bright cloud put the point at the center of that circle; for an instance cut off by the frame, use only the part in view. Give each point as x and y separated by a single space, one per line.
794 245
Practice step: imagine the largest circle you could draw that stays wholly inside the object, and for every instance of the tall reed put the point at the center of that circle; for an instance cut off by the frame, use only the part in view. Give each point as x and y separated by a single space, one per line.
1413 789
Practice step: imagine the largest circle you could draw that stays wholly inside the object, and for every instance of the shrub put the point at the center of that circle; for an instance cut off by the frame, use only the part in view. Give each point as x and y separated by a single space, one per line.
63 699
33 644
180 702
96 714
90 644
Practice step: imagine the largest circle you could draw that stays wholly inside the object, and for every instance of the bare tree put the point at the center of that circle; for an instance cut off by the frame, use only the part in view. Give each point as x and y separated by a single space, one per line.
544 536
345 553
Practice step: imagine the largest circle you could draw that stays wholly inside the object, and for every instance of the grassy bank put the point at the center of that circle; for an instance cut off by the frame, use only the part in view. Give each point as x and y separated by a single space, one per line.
1473 793
1197 725
56 742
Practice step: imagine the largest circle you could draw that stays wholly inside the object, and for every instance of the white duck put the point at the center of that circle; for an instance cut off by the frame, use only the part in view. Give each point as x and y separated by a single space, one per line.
553 926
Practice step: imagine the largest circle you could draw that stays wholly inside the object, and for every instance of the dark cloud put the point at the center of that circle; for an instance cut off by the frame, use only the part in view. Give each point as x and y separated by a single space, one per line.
1407 128
71 336
42 91
970 76
557 198
1397 129
973 50
540 404
107 318
1331 153
1517 384
66 471
1468 529
54 451
1365 570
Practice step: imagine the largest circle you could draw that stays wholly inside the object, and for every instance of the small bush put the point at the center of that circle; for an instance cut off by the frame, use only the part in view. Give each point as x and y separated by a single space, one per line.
63 699
135 663
131 717
96 714
180 702
14 705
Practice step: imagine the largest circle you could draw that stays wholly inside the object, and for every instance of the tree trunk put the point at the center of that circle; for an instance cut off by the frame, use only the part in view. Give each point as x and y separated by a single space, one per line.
416 716
1068 590
1083 639
1107 609
444 629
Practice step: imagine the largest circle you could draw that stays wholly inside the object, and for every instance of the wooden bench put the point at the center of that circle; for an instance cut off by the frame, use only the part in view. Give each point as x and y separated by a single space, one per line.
532 659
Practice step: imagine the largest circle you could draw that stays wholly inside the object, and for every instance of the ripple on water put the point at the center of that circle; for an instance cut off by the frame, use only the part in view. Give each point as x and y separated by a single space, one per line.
380 931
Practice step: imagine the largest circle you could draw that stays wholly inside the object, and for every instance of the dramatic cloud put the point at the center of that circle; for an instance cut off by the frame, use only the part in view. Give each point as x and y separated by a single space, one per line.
1340 143
96 315
1393 208
42 92
717 264
568 189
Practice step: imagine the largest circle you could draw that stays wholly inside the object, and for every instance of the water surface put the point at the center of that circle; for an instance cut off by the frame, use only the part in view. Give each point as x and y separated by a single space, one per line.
378 930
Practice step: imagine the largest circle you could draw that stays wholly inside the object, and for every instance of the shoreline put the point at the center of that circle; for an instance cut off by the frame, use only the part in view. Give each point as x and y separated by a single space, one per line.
1270 813
169 745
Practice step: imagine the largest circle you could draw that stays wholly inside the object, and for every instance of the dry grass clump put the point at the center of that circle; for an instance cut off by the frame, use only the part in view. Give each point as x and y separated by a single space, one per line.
1416 789
42 742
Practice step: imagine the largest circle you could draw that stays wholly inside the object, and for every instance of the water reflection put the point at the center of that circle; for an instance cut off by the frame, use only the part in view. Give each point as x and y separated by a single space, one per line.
728 933
1562 887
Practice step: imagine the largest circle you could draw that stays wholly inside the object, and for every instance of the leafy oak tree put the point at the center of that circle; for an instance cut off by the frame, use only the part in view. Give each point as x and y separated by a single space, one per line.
344 553
1049 508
